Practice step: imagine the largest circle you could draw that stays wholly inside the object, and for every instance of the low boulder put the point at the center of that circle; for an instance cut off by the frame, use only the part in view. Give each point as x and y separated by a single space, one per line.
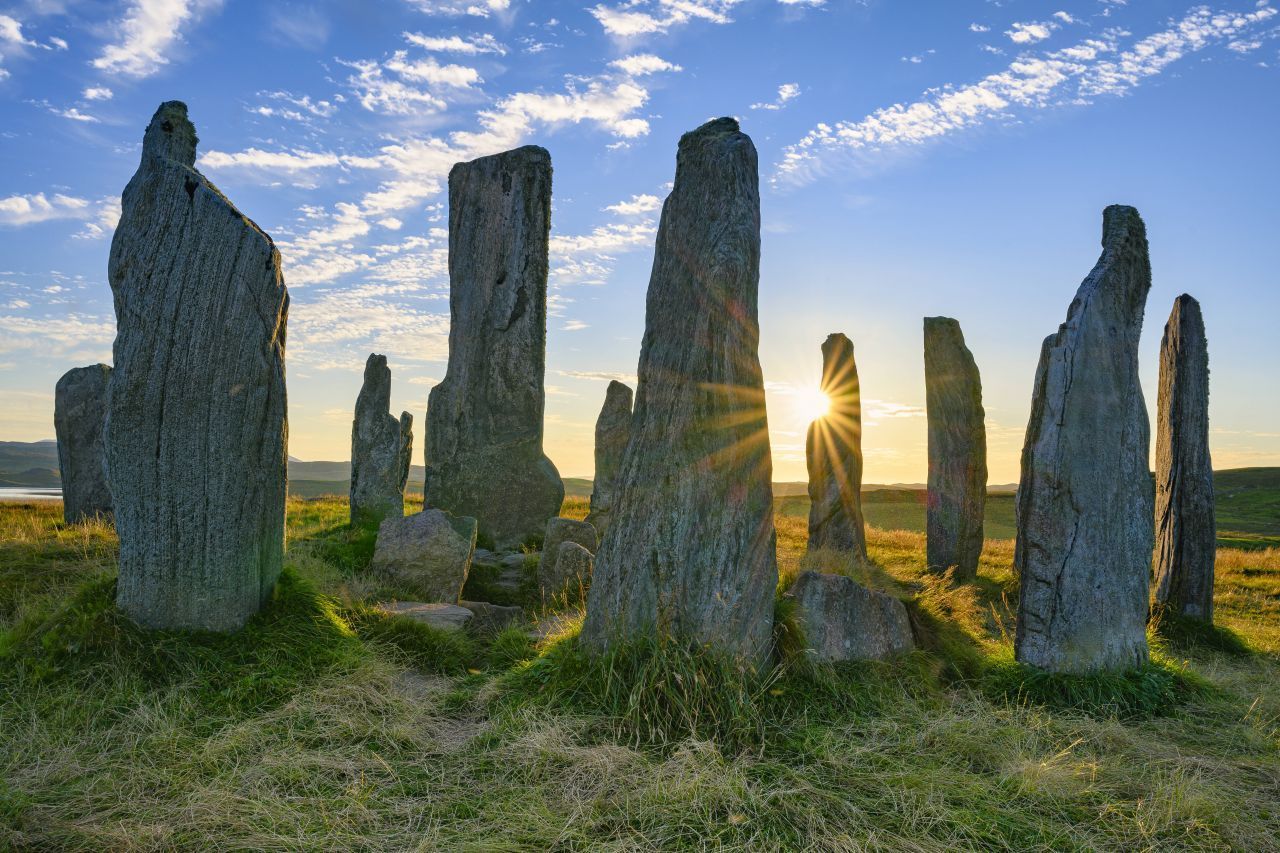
492 618
561 530
446 617
570 570
843 620
428 553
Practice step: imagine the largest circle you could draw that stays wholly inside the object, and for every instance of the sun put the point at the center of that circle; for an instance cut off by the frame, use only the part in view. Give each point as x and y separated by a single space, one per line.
811 403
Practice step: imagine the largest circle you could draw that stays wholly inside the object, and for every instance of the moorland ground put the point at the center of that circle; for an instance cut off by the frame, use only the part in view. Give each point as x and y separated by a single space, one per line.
326 725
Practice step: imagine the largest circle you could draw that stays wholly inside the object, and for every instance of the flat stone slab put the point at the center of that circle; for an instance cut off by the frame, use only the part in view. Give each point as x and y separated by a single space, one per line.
447 617
493 617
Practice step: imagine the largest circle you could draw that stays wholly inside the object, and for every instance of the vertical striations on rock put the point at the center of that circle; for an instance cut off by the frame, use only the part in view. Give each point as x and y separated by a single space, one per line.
613 431
957 451
689 552
1085 498
79 414
484 421
197 427
381 449
833 450
1186 538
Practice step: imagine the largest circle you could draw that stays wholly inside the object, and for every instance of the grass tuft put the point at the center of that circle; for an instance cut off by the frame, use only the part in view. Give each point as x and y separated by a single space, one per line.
424 647
1185 634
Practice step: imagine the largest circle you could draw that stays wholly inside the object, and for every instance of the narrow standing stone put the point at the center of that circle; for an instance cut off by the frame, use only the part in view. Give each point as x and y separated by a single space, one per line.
613 431
690 548
381 449
1186 537
833 449
957 451
1085 499
484 421
79 414
197 426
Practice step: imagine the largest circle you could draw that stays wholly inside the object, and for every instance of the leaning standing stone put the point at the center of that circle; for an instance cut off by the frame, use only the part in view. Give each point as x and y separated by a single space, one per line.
833 449
957 451
197 424
484 421
1085 498
1186 538
613 430
690 547
79 413
381 449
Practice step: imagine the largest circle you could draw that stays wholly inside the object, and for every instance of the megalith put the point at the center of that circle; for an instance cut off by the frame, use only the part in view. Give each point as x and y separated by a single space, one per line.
1186 537
484 421
79 413
833 450
1084 501
613 431
381 449
842 620
689 551
197 427
957 492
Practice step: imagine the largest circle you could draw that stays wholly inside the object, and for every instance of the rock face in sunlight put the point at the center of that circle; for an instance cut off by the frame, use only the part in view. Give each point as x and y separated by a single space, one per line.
484 421
1186 538
1084 502
957 451
833 449
690 548
570 573
381 448
551 578
428 553
842 620
79 414
197 424
613 431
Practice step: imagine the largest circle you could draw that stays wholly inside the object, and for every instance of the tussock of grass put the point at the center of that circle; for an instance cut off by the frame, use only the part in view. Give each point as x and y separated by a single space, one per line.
421 646
1184 634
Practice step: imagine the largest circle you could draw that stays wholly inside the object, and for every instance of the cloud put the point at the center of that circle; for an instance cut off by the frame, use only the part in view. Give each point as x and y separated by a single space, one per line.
645 17
600 376
471 46
293 161
29 209
610 237
1031 82
97 93
786 92
574 326
104 221
303 27
643 203
1030 33
11 33
455 8
979 28
642 64
146 34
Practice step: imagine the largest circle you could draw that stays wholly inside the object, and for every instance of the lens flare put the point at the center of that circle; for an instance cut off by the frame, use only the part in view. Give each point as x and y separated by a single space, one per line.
811 404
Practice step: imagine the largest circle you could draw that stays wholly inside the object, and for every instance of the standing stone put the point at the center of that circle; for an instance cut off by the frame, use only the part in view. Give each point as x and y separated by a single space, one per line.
842 620
833 449
613 431
197 426
570 573
484 421
957 451
1085 498
1186 537
381 449
79 413
427 553
559 531
690 547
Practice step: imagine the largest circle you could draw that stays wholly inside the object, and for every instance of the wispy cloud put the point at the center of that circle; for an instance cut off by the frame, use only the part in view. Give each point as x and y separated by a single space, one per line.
786 92
146 34
645 17
29 209
471 45
637 204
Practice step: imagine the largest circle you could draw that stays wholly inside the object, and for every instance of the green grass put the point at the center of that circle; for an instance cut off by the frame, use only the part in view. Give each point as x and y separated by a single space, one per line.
325 725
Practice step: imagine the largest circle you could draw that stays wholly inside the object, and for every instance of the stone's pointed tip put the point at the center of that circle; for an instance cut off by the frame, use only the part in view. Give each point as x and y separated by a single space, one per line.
171 134
717 128
1119 221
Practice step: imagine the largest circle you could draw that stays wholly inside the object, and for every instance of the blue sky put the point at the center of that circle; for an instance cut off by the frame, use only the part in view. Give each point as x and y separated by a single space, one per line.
916 159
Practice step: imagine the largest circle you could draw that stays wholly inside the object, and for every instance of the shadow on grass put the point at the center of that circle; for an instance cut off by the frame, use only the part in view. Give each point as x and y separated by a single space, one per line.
1182 634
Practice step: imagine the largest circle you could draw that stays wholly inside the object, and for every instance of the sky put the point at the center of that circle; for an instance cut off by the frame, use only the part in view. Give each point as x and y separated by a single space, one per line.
916 159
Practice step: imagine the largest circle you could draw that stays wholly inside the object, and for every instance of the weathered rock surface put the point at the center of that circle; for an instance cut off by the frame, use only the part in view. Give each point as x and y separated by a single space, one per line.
446 617
842 620
197 423
492 618
569 573
564 530
690 546
1186 536
79 414
1085 498
484 421
381 448
957 493
613 430
833 450
428 553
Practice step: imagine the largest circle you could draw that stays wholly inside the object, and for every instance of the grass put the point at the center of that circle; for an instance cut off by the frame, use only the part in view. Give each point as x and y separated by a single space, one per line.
325 725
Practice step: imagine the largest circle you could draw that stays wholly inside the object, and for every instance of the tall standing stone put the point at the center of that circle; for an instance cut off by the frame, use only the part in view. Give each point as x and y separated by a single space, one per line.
79 413
957 451
1085 498
613 431
197 426
690 549
833 449
381 448
484 421
1186 537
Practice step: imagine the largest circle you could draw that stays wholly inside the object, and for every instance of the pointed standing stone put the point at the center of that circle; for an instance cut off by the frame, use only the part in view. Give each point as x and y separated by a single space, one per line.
1085 499
833 449
613 431
79 414
1186 538
381 449
690 548
484 421
957 451
197 429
